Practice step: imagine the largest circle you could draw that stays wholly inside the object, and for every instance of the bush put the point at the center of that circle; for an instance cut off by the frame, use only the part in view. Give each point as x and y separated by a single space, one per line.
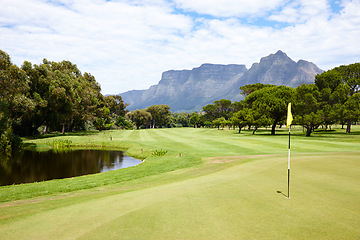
122 123
60 145
159 153
5 141
9 142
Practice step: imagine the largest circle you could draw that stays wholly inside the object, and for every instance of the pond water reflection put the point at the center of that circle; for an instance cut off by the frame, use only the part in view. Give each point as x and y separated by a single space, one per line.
31 166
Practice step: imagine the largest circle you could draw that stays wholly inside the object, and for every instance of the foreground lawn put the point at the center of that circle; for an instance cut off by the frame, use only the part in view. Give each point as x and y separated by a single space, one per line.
224 186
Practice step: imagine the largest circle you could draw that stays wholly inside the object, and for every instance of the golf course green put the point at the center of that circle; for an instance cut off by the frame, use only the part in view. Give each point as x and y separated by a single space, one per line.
207 184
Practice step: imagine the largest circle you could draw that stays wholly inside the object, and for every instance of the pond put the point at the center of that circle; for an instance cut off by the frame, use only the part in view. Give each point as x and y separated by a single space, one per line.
30 166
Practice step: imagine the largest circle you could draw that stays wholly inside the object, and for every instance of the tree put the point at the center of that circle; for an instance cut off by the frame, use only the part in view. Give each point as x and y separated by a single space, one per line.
329 115
259 119
250 88
103 119
237 106
329 79
196 120
116 105
220 122
338 85
350 75
307 107
54 96
220 108
52 88
13 87
270 103
210 112
88 99
159 115
139 117
123 123
182 119
63 97
111 110
352 110
243 118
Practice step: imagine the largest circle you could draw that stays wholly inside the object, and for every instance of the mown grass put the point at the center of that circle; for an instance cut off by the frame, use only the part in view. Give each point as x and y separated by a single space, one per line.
224 186
191 144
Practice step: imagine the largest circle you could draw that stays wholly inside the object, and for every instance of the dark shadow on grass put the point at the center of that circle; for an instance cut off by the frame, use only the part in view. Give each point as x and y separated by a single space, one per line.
82 133
265 132
29 145
282 193
336 132
285 131
262 132
35 147
58 134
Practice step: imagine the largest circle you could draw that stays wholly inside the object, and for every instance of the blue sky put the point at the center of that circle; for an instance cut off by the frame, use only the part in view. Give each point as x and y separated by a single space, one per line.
127 44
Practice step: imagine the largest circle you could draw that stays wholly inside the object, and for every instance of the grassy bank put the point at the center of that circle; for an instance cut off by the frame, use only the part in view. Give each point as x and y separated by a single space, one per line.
224 186
111 140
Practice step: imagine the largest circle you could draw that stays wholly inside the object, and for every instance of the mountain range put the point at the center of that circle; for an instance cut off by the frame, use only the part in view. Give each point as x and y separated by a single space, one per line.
190 90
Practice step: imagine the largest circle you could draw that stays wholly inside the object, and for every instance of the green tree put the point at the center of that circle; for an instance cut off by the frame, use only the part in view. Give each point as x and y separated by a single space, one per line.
139 117
123 123
196 120
210 112
116 105
159 115
63 96
220 122
220 108
13 87
242 118
54 95
338 85
250 88
350 75
307 107
52 89
352 110
182 119
270 103
103 119
87 100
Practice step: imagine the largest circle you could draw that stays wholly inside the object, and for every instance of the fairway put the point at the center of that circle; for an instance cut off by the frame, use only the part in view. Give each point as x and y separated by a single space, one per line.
230 191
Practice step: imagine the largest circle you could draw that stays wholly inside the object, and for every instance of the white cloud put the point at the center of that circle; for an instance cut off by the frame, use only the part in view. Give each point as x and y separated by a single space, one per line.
300 11
229 8
127 44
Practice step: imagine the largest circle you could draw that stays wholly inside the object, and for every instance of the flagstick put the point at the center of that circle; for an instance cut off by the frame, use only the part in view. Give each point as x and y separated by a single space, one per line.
289 119
288 196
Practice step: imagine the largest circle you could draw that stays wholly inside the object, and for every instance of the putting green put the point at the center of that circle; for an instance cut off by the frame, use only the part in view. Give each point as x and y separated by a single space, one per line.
239 202
229 197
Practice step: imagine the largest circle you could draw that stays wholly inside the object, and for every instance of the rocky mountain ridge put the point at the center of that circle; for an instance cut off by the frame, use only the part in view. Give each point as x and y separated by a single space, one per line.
190 90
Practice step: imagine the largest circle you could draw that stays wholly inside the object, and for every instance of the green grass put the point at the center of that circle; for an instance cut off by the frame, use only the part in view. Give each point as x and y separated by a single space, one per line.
224 186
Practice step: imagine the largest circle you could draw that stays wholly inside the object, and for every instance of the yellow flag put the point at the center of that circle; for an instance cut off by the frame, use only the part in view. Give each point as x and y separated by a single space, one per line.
289 118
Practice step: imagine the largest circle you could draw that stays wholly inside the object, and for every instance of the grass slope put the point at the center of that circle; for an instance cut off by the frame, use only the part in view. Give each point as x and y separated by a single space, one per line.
230 194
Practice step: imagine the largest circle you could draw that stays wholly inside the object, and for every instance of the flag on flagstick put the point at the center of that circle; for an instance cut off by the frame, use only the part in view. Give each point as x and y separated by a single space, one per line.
289 120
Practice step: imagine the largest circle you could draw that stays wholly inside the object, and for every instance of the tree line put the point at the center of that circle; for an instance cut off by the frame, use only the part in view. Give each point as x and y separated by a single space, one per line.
51 96
56 96
158 116
334 98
